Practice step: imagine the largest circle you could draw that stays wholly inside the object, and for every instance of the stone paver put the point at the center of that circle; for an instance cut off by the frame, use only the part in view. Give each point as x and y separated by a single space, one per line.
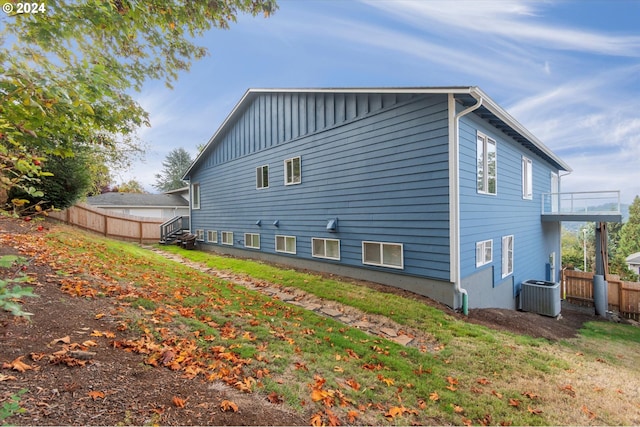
347 315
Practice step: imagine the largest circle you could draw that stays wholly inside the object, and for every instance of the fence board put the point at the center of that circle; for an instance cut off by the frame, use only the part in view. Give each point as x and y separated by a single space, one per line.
622 296
109 224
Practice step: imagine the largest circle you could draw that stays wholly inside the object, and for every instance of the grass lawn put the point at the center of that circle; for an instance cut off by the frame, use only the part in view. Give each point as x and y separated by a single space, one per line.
222 332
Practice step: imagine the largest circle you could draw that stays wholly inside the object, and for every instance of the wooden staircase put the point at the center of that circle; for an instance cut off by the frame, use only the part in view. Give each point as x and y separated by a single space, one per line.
173 230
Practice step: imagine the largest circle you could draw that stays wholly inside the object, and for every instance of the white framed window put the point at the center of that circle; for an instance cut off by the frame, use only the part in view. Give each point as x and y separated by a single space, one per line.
487 165
227 237
527 178
212 236
507 256
484 252
383 254
200 235
286 244
252 240
292 171
195 196
262 177
325 248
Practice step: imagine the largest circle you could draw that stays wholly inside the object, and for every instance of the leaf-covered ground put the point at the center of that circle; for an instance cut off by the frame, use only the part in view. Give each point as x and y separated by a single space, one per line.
98 351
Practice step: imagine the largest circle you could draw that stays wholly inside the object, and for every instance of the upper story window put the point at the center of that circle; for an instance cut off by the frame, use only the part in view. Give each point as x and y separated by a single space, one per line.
262 176
527 178
292 171
487 165
195 196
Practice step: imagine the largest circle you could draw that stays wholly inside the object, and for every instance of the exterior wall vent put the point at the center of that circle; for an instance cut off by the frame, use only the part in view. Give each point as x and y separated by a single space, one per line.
540 297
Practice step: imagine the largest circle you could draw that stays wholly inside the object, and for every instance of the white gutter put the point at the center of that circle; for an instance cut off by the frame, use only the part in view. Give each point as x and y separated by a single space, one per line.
454 191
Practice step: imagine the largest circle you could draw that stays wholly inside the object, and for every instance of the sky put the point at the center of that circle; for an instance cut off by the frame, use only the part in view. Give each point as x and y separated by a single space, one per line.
569 71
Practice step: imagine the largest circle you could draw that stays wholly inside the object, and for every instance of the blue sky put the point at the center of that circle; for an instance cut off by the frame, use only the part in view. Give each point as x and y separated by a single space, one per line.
569 71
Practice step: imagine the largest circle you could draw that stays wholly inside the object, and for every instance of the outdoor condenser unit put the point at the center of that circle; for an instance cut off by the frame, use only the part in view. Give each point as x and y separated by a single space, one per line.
540 297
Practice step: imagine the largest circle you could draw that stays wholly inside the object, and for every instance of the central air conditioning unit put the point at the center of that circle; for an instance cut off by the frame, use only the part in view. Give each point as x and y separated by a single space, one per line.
540 297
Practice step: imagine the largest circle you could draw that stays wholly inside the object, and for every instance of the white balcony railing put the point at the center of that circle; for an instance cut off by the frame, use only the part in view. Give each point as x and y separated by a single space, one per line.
585 203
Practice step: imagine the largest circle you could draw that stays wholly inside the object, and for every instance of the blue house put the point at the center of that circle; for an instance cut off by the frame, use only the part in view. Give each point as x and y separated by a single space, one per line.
436 190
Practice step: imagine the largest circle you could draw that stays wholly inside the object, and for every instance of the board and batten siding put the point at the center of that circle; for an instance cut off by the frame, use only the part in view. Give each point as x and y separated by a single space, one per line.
378 163
485 217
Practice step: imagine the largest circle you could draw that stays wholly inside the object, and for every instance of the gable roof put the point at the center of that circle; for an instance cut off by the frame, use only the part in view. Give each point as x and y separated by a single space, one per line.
465 95
130 200
634 258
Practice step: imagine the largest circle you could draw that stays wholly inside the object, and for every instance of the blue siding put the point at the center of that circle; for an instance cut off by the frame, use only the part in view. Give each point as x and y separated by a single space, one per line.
484 217
379 163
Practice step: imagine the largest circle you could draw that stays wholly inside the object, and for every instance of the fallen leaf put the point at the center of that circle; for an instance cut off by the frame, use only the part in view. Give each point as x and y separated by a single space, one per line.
530 395
434 396
90 343
6 377
534 411
316 420
275 398
452 381
178 402
18 365
458 409
514 402
589 413
95 395
63 340
483 381
227 405
353 384
568 389
450 387
352 415
394 411
496 394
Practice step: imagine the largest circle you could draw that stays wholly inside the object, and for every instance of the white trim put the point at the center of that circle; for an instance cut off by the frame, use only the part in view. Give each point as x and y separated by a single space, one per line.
224 234
200 234
527 178
194 205
286 171
325 256
261 169
483 246
486 141
251 235
507 255
286 238
213 233
382 260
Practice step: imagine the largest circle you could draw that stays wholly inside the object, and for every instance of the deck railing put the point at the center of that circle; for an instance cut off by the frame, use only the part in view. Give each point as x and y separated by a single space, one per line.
173 226
584 202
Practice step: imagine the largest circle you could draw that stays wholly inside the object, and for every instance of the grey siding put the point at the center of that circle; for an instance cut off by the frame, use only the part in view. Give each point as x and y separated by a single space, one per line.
378 163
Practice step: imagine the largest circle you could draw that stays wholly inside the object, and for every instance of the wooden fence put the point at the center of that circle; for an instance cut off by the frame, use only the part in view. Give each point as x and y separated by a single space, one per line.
109 224
623 297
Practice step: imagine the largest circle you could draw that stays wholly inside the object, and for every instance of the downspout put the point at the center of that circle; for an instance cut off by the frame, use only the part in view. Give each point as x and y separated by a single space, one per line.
454 161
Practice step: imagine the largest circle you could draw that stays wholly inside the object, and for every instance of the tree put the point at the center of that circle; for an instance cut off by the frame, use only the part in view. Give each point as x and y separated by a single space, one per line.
67 74
630 232
173 168
131 186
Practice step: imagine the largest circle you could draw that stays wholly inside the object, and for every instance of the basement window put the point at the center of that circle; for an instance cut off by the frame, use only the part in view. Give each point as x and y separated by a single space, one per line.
325 248
484 252
383 254
252 240
212 236
227 237
286 244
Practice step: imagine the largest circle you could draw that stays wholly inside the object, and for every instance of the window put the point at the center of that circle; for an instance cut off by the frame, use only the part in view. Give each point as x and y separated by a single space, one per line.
286 244
262 177
200 235
252 240
325 248
484 252
212 236
383 254
227 237
487 165
195 196
527 178
507 256
292 171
